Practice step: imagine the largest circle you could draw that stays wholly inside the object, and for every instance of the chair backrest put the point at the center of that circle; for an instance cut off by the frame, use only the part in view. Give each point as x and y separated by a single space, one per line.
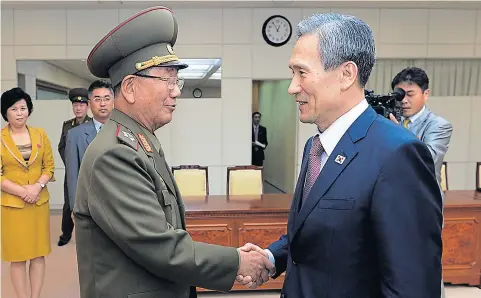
478 176
245 180
444 176
192 180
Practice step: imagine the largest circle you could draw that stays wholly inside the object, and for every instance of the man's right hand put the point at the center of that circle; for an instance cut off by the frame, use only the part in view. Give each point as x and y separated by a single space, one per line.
393 119
254 265
261 266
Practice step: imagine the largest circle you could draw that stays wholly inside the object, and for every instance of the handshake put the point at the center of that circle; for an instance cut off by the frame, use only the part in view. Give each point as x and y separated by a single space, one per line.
255 266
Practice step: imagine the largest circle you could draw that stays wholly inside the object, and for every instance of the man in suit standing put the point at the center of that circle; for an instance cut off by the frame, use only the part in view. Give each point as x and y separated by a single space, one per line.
129 215
101 100
366 219
80 107
259 135
431 129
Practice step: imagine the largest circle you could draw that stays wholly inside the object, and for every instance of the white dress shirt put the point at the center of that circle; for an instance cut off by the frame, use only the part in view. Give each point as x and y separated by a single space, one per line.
331 136
97 125
414 117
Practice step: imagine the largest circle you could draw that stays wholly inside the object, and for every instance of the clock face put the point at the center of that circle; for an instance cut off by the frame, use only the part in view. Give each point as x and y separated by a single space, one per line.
197 93
277 31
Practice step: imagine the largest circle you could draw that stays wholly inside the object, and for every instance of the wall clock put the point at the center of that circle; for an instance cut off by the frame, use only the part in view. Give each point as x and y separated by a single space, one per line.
197 93
277 30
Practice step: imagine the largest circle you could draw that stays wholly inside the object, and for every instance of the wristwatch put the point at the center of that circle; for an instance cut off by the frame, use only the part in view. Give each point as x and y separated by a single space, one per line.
41 184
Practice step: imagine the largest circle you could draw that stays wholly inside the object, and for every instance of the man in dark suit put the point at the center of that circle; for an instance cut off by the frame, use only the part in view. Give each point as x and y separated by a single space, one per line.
80 107
365 220
101 100
259 140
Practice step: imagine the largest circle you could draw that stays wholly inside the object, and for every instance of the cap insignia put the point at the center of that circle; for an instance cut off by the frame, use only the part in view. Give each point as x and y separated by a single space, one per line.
155 61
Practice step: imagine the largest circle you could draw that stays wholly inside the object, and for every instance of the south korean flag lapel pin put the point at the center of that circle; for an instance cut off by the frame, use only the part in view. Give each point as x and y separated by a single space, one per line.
340 159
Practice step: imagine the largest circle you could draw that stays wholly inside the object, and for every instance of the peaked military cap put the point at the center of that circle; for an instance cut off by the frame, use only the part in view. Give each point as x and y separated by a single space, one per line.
78 95
144 40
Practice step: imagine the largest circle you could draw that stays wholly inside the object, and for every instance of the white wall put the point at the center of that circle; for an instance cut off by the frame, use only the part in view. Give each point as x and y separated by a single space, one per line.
216 132
44 71
207 92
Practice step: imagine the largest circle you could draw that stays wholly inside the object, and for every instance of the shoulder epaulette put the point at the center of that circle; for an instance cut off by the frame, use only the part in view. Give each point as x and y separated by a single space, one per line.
126 137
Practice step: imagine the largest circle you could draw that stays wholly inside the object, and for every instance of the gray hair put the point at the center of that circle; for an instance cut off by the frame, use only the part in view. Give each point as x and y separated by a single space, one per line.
342 38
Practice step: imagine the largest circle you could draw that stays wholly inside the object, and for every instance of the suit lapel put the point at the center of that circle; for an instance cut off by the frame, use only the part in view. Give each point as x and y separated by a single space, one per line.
180 202
416 128
11 147
162 168
299 188
90 133
36 140
302 177
347 151
329 173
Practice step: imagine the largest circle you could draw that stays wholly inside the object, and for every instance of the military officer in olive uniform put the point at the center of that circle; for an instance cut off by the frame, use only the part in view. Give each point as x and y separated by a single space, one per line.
80 107
129 215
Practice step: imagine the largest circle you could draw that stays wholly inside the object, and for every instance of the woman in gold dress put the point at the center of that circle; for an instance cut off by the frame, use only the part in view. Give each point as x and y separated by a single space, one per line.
27 165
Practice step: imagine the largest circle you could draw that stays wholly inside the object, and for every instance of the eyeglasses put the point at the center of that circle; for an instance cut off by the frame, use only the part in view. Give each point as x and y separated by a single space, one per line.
102 99
171 81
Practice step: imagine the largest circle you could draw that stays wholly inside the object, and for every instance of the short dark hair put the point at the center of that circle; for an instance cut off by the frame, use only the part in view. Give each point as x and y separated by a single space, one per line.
412 75
256 113
100 84
11 97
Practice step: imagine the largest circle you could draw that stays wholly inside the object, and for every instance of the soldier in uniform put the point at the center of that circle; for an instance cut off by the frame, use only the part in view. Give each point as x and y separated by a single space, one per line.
80 107
129 215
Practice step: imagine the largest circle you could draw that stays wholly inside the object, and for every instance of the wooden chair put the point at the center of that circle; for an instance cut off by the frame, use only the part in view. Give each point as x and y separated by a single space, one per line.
444 176
192 180
478 176
245 180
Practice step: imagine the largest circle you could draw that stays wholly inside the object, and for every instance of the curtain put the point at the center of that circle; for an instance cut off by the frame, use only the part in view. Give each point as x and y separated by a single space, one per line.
447 77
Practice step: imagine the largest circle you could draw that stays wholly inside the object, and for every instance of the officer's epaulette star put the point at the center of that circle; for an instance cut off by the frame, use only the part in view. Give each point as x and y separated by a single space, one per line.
126 137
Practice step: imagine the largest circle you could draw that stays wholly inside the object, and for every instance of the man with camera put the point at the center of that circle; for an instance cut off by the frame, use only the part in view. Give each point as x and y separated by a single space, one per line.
430 128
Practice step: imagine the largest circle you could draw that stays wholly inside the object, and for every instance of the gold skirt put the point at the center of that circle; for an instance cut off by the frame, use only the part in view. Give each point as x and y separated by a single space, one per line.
25 232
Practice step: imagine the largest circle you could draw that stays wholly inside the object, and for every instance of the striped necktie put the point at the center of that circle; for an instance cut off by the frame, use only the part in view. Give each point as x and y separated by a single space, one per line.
313 166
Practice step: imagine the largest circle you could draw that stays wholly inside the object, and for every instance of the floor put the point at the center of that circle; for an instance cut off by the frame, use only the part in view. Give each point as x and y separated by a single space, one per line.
61 279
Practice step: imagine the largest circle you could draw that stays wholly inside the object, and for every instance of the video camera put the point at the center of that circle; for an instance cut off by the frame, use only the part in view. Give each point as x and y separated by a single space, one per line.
386 104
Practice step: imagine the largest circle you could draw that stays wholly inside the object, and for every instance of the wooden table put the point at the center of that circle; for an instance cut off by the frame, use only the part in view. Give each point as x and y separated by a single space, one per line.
462 237
235 220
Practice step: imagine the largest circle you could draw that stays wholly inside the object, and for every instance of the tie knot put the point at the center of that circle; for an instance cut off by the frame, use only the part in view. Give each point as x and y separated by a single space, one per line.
316 148
406 122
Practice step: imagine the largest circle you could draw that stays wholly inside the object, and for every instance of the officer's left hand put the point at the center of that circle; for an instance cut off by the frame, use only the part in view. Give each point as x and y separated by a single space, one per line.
393 119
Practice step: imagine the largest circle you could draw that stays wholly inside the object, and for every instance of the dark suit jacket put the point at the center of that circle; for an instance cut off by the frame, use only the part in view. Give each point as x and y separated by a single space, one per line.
371 226
78 139
262 138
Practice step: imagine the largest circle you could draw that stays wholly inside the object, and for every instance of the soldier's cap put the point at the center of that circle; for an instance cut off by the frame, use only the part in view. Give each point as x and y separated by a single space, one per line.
144 40
78 95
